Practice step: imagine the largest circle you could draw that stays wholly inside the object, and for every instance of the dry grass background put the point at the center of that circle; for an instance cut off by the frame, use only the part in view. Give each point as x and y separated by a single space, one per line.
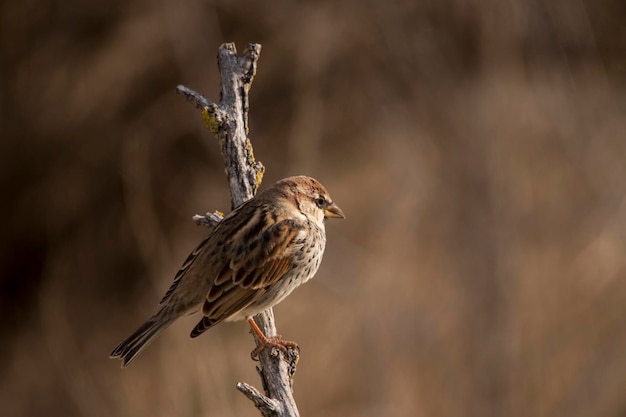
478 149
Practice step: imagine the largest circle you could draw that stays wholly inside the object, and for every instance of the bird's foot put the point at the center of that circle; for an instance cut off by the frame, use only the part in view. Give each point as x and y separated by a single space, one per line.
274 342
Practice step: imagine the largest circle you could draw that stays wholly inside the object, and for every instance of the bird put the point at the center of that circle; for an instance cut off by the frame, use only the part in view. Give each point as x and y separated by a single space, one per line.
254 258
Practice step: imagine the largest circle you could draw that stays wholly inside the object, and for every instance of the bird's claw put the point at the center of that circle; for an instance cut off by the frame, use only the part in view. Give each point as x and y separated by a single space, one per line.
274 342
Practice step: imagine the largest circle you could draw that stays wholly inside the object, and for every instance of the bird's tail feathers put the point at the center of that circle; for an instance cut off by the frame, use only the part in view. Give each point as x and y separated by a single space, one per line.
134 344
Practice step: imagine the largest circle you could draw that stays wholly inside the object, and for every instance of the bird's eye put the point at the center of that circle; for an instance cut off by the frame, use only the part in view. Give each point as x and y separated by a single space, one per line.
321 202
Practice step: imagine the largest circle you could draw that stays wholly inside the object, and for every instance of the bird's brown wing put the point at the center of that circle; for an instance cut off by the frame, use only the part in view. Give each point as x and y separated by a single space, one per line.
251 267
263 260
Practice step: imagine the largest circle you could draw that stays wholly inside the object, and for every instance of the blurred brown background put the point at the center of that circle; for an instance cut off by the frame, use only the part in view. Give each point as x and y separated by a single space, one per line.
478 149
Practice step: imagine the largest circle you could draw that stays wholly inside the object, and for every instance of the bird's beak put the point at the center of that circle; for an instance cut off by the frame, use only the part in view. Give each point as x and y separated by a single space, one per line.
334 211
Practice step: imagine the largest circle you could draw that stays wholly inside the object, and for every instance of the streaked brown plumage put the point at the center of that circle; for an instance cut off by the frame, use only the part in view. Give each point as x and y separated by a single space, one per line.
251 261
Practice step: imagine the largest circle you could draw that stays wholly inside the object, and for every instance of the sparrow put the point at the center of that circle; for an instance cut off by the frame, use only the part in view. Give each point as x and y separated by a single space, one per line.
254 258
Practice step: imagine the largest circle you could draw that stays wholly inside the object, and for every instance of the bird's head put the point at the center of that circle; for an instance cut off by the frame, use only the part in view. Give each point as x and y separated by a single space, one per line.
310 197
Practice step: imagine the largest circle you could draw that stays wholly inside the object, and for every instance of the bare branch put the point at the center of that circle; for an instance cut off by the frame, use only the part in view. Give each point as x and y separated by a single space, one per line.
229 121
193 97
267 406
209 220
